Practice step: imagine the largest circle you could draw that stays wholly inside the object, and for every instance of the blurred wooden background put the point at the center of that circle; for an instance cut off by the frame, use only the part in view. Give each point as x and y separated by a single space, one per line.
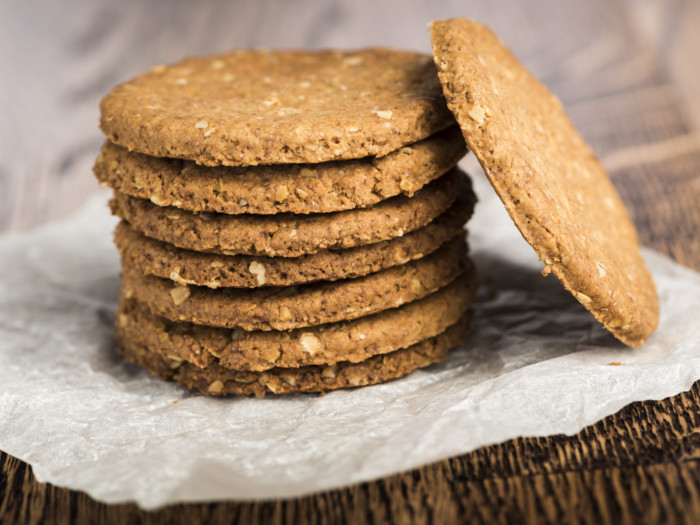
616 65
628 72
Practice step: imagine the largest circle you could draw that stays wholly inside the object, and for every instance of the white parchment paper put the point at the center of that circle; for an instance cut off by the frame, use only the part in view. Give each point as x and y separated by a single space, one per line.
537 364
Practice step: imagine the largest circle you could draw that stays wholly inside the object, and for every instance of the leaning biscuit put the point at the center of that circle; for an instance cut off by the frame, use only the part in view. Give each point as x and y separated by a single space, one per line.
555 190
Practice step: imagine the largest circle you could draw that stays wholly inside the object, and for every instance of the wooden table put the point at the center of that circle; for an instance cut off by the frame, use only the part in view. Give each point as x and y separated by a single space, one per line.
628 73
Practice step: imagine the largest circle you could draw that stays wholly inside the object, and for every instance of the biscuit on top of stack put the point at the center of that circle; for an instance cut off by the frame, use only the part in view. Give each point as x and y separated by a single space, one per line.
291 221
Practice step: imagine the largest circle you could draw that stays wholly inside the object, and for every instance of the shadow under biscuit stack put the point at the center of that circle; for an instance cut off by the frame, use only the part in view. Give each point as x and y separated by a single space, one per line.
291 221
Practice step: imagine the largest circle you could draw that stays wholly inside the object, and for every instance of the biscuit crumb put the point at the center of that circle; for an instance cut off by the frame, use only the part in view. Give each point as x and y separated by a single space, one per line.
478 114
354 380
601 269
329 372
174 363
158 201
179 294
215 387
258 270
416 286
384 114
282 193
352 61
614 363
285 313
310 343
202 124
583 298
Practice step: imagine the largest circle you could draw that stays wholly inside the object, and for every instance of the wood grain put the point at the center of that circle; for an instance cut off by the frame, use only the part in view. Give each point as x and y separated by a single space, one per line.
627 72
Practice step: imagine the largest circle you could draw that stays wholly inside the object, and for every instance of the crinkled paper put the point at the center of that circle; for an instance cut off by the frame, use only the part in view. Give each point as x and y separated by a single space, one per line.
537 364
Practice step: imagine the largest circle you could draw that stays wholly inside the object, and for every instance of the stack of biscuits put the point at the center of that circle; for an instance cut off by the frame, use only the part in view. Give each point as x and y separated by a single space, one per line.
290 221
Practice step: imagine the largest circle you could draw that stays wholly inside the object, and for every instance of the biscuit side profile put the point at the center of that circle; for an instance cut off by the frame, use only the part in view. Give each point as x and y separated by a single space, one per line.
285 188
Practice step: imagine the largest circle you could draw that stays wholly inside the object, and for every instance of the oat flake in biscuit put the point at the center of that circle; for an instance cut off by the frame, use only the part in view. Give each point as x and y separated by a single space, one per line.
555 190
277 107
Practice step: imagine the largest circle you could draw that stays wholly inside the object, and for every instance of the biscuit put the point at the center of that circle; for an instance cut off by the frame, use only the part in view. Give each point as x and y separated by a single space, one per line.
216 380
151 257
245 107
555 190
291 307
287 235
295 188
352 341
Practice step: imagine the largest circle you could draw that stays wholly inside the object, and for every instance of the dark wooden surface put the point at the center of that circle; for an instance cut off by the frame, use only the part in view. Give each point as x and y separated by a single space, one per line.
628 72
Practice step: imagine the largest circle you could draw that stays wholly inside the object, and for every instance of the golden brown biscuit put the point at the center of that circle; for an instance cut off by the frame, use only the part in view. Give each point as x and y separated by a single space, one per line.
555 190
293 188
244 108
351 341
216 380
288 235
152 257
291 307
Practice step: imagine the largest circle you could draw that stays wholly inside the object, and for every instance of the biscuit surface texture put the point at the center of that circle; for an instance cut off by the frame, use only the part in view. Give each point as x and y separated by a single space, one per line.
295 188
275 107
152 257
216 380
352 341
291 235
290 307
554 188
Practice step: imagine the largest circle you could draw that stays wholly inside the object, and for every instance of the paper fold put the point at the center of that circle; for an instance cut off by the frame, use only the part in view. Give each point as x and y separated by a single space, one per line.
537 364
